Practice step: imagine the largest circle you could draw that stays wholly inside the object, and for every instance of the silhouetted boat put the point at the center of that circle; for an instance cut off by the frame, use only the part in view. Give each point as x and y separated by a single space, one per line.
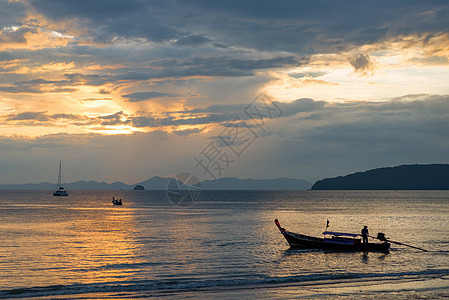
116 202
60 191
332 241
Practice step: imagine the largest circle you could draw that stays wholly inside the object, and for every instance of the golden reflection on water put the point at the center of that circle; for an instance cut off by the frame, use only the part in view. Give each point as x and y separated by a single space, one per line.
102 245
61 242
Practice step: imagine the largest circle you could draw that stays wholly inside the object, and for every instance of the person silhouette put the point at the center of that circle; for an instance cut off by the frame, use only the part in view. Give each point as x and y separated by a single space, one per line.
365 234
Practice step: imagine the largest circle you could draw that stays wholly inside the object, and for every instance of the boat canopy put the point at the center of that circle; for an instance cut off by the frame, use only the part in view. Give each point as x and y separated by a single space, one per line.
341 233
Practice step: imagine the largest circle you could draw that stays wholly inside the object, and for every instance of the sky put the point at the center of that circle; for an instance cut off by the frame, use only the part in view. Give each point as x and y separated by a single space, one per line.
123 90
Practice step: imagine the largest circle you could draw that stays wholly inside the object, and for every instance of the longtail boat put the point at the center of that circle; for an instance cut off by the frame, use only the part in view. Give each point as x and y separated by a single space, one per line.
333 241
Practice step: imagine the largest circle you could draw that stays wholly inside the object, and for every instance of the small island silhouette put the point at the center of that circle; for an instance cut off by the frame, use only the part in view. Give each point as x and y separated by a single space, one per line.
139 188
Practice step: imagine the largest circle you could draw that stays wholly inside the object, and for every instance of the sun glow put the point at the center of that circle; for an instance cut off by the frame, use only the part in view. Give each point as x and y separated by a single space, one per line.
114 130
381 71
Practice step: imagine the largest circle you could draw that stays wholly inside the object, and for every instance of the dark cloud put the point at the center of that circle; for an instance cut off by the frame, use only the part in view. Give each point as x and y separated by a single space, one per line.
38 116
65 117
6 56
96 99
102 9
16 36
307 27
142 96
39 86
34 90
193 40
295 26
366 135
113 119
162 69
142 26
108 20
167 68
361 63
145 121
307 74
187 132
219 108
43 119
225 66
300 106
11 12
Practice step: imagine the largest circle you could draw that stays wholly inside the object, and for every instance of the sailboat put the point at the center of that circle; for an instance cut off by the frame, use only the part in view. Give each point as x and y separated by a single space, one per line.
60 191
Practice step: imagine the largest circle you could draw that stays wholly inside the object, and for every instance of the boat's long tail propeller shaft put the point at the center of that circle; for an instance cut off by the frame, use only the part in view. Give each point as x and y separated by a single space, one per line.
381 236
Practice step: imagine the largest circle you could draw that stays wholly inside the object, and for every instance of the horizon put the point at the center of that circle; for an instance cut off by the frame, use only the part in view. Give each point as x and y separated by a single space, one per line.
149 178
220 89
226 177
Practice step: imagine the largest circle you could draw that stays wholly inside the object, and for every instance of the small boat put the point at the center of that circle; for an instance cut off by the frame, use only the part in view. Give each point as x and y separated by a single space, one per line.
116 202
333 241
60 191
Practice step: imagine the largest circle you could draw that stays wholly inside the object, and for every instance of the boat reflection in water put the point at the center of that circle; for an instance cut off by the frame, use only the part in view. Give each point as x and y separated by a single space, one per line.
333 241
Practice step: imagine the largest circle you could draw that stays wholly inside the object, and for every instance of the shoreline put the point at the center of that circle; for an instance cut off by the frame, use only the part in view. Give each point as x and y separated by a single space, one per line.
411 287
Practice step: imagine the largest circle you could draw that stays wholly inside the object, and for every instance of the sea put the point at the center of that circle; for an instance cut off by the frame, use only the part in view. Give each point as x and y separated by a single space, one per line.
219 245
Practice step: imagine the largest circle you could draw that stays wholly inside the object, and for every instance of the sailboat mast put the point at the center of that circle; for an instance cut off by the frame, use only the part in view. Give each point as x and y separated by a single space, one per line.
59 189
59 176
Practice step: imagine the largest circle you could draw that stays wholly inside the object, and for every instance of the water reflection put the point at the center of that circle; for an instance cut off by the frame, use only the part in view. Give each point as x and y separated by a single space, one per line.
81 239
365 257
102 245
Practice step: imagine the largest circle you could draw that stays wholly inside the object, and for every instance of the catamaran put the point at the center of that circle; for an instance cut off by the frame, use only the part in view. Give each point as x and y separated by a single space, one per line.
60 191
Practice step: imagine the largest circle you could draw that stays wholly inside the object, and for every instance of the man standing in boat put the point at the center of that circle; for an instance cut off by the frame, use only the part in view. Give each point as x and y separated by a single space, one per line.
365 234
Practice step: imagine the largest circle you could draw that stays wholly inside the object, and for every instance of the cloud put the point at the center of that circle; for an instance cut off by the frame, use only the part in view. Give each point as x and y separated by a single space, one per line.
312 139
14 35
362 64
107 21
38 85
163 69
336 138
11 13
6 56
225 66
102 9
193 40
221 54
113 119
307 74
296 27
58 119
187 132
142 96
38 116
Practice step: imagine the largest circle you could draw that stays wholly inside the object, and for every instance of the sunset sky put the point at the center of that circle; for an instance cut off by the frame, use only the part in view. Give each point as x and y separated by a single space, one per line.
126 90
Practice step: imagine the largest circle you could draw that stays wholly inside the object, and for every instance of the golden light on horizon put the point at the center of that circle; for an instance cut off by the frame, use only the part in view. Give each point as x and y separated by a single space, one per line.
115 130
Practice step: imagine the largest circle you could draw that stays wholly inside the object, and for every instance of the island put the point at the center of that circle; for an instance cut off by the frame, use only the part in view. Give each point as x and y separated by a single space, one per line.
139 188
404 177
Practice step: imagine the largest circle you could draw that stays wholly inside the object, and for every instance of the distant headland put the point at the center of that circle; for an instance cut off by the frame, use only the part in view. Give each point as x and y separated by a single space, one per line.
405 177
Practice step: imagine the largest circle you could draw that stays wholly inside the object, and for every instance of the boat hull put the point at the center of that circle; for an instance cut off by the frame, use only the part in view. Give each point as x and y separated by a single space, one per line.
301 241
60 193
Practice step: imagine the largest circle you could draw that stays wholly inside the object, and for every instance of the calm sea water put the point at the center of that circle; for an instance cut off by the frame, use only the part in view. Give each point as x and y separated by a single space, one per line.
224 246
